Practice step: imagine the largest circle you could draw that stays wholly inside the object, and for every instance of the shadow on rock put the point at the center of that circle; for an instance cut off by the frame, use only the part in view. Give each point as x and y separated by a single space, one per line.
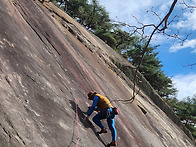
86 123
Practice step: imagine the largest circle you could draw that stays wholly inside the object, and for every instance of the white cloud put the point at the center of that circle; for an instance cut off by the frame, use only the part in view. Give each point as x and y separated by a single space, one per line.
194 51
187 44
189 22
186 84
125 9
189 17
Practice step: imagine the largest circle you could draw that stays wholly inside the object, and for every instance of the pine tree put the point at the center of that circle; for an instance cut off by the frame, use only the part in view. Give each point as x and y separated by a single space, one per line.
150 67
186 110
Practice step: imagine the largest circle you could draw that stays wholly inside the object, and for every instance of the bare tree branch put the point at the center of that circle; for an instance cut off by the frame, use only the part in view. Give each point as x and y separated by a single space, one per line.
188 6
164 20
189 65
164 24
157 29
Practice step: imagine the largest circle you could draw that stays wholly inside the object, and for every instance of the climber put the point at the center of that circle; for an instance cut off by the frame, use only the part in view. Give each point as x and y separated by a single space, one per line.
105 111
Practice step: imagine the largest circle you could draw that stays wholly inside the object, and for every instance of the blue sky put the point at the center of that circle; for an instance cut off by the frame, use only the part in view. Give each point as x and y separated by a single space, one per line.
173 56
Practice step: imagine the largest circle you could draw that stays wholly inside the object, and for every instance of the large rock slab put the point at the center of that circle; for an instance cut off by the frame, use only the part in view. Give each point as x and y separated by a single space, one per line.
48 63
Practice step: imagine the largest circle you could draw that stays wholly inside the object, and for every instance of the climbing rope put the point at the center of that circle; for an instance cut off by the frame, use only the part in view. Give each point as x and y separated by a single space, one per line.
78 129
77 121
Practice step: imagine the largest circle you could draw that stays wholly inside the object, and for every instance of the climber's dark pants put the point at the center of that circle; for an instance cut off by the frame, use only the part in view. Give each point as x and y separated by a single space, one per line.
108 114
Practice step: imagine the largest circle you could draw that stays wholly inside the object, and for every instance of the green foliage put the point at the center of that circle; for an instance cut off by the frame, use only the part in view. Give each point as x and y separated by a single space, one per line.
91 15
123 39
186 110
52 1
98 18
78 9
150 67
107 37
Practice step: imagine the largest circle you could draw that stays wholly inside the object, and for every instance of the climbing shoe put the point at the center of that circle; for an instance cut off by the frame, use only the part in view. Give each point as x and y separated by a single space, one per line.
113 143
103 131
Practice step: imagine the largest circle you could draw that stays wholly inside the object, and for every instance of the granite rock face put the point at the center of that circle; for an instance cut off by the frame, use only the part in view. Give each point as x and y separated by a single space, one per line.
48 64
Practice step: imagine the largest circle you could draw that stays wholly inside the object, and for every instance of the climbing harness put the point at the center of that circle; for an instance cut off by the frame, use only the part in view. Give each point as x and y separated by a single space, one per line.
108 114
